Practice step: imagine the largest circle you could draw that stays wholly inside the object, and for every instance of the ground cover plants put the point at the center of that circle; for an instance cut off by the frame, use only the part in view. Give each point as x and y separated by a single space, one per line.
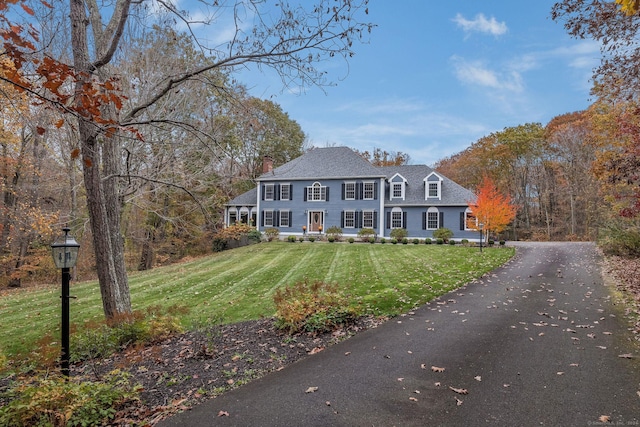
226 302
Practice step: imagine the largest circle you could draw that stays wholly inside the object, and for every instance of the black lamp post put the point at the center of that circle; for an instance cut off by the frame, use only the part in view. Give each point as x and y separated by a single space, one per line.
480 227
65 254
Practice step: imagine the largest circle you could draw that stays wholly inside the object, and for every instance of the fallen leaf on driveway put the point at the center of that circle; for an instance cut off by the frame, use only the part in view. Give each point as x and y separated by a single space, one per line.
560 373
478 378
604 418
438 385
626 356
400 379
608 333
601 347
458 402
311 390
223 414
459 390
413 399
423 366
436 369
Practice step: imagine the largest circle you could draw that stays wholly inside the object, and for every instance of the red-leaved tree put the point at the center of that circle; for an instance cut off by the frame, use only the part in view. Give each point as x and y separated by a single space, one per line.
491 208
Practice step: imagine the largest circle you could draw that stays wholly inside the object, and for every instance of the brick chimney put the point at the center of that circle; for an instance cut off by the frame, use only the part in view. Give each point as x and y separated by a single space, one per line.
267 164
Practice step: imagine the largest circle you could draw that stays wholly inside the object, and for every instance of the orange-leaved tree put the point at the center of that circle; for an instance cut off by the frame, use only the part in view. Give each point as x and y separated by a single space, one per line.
492 209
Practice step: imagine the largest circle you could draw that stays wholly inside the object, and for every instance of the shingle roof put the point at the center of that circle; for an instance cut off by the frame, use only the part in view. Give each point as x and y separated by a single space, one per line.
452 193
250 198
325 163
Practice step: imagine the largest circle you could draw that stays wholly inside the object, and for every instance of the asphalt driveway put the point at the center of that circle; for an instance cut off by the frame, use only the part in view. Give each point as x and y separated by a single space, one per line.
539 342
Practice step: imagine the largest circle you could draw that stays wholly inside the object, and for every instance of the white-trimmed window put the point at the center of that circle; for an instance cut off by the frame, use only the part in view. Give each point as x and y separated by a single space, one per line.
433 186
396 190
368 191
316 192
268 218
434 189
470 220
233 216
367 219
433 219
349 219
284 218
285 191
396 219
269 191
349 190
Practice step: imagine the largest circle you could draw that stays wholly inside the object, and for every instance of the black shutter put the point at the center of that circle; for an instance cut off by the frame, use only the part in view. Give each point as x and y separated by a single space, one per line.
342 219
441 225
388 220
375 219
462 215
326 196
424 220
262 195
343 190
276 192
276 218
360 192
262 219
290 192
290 218
375 191
404 220
306 191
359 217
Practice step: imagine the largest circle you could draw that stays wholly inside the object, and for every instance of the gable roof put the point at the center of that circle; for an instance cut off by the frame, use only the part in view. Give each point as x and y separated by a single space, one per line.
325 163
249 198
452 192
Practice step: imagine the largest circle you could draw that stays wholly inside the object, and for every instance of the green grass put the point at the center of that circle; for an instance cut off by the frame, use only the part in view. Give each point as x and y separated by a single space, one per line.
238 285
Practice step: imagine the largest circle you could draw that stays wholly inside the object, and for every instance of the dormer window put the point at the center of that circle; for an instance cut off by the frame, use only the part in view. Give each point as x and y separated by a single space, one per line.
433 186
397 185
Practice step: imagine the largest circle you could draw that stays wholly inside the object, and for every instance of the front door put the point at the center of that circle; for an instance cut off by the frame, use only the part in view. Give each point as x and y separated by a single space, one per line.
316 220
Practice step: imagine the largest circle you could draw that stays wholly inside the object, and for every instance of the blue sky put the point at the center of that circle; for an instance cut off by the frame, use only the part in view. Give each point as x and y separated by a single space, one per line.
438 75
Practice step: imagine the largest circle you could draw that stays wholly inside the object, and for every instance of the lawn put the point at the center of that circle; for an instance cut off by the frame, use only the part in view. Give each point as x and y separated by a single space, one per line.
238 284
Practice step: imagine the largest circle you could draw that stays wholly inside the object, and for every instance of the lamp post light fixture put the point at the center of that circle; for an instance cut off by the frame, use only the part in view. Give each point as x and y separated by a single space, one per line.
480 227
65 254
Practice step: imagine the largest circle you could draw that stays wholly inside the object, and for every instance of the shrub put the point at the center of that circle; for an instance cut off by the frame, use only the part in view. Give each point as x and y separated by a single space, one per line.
255 236
427 241
394 241
57 401
491 242
219 244
383 240
416 241
399 233
351 240
292 239
443 233
139 327
271 233
335 232
621 241
405 241
452 242
331 239
312 239
465 242
365 234
235 231
439 241
301 238
502 243
372 239
312 307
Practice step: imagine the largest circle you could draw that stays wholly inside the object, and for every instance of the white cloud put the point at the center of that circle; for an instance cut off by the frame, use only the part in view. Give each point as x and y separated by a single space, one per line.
481 24
476 73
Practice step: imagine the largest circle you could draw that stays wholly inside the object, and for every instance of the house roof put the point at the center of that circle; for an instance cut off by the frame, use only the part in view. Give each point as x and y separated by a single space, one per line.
324 163
250 198
452 193
344 163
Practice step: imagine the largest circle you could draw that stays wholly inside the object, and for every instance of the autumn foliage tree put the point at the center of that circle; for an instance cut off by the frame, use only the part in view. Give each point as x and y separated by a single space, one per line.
491 208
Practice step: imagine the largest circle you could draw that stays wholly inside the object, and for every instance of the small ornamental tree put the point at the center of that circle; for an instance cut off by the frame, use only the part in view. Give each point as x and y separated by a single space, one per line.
491 209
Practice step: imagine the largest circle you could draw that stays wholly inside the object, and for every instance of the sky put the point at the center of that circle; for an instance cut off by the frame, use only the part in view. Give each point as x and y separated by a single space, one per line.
436 76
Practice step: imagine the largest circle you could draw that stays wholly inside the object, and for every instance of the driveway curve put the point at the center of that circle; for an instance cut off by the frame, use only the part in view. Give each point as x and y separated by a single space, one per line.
537 342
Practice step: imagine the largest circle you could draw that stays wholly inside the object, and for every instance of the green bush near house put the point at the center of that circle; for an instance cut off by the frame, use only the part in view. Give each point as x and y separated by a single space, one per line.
292 239
351 240
255 236
452 242
331 239
428 241
312 239
439 241
405 241
443 233
394 241
416 241
372 239
335 233
399 233
365 234
383 240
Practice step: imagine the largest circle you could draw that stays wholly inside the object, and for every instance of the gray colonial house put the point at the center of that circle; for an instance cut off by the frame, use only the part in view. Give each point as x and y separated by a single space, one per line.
335 186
